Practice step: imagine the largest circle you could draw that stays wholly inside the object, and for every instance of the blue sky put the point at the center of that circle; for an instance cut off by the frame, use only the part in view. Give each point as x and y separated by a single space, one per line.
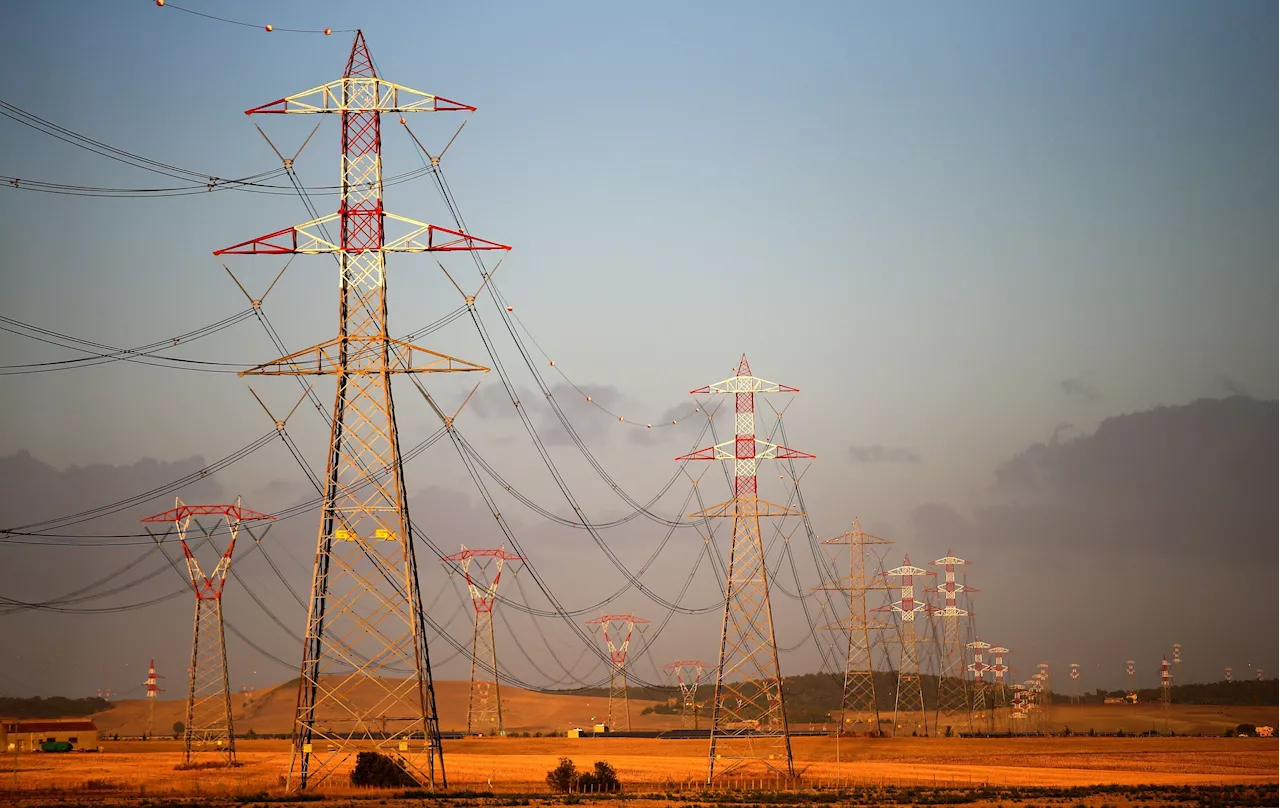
955 228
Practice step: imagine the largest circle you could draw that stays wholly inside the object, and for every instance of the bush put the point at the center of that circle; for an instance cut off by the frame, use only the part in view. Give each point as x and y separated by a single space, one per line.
1246 729
380 771
178 728
602 779
562 777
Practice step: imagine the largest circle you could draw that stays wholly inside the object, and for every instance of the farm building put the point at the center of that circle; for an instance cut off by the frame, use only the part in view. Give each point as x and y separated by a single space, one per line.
32 735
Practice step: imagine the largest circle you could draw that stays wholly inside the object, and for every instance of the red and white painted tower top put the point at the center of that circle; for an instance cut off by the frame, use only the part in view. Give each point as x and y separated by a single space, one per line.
618 651
152 687
906 604
949 586
978 668
482 594
206 587
999 668
745 450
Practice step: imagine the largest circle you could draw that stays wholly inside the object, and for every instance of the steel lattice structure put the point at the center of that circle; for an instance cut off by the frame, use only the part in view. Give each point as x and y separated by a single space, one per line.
953 701
909 696
688 675
979 670
1133 691
484 704
999 693
748 716
619 711
1046 695
859 709
1227 674
1075 682
153 690
208 727
366 674
1166 691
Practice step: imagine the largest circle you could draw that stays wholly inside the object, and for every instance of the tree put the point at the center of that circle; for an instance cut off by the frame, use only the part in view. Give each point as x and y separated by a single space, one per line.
178 728
562 777
602 779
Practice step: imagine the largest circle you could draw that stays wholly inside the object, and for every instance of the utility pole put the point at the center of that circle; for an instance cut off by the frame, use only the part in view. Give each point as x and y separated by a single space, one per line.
365 650
688 675
748 716
484 704
619 711
952 699
859 709
909 696
208 727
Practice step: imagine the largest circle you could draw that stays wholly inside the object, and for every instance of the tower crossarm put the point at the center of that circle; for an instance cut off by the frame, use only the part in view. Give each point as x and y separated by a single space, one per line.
482 594
617 651
206 587
363 356
311 238
337 95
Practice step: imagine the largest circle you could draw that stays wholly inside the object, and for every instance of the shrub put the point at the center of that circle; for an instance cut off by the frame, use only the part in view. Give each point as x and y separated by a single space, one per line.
380 771
538 734
178 728
1246 729
602 779
562 777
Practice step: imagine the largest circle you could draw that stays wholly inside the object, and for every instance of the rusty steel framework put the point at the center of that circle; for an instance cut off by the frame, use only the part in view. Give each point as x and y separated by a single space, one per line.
859 709
619 710
484 702
688 674
953 700
748 716
908 698
208 727
366 674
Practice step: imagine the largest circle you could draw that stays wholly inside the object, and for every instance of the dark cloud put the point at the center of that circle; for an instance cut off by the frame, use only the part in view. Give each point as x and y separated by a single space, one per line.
875 453
1079 387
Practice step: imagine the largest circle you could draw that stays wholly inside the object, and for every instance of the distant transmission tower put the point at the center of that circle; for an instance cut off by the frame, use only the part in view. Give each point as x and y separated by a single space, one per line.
909 697
748 717
1133 691
952 699
999 694
1075 683
979 670
208 727
366 680
1227 673
1046 695
105 694
859 709
1258 672
688 675
619 714
484 704
152 691
1166 690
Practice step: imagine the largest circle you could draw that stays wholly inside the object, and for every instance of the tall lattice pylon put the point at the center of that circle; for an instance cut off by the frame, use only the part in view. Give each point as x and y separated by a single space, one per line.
1046 696
859 709
1075 682
1166 691
153 690
748 716
908 699
208 727
952 704
366 675
619 711
484 702
1132 692
979 670
688 674
999 692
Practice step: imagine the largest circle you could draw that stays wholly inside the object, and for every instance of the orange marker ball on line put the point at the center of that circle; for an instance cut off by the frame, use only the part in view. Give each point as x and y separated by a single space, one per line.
328 31
588 398
511 308
269 29
159 2
402 120
553 363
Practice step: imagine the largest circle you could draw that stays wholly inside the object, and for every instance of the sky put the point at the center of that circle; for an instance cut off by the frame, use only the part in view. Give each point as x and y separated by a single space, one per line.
960 232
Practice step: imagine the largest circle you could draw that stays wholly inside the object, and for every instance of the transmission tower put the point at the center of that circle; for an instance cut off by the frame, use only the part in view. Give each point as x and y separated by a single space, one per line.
1258 673
999 695
484 704
859 709
979 670
1166 692
952 699
1227 673
366 674
688 675
1046 695
619 707
208 727
910 695
1133 691
1075 683
748 717
153 690
105 694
